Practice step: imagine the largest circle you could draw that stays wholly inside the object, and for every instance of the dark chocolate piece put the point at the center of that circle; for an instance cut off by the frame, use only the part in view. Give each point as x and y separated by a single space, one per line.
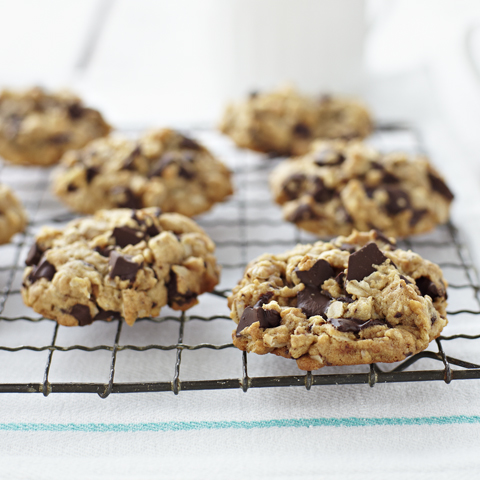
166 160
34 255
345 299
127 236
398 315
122 266
380 236
313 302
322 194
131 200
266 318
302 130
293 185
405 279
353 325
440 186
417 215
104 251
328 158
75 111
398 200
360 263
91 173
189 143
427 287
129 163
319 273
174 296
71 187
82 314
43 270
340 279
303 213
390 178
105 314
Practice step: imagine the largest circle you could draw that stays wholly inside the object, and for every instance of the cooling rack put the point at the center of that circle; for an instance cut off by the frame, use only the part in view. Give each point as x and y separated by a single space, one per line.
193 351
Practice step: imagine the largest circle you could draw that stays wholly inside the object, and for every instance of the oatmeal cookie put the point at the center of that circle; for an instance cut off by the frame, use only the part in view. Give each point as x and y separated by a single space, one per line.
163 169
121 262
37 128
340 186
354 300
13 217
284 122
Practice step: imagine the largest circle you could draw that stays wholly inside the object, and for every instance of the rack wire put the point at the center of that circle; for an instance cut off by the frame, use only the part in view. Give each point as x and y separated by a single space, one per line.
103 357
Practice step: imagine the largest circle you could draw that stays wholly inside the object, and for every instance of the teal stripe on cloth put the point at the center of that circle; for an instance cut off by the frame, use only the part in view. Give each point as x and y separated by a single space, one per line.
219 425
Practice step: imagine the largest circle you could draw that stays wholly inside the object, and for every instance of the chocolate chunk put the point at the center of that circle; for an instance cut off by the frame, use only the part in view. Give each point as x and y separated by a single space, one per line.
319 273
427 287
353 325
82 314
432 320
377 166
123 266
131 200
71 187
104 251
340 279
293 185
380 236
328 157
398 315
322 194
301 130
369 191
43 270
417 215
303 213
91 173
398 200
189 143
390 178
345 299
129 163
105 314
312 302
174 296
405 279
440 186
360 263
168 159
75 111
34 255
151 230
59 138
127 236
266 318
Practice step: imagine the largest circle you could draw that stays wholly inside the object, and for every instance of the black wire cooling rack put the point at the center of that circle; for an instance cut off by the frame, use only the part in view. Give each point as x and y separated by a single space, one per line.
38 355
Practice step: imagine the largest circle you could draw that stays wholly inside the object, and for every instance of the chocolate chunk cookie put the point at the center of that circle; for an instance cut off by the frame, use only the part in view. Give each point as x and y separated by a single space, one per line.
37 128
285 122
121 262
354 300
163 168
13 217
340 186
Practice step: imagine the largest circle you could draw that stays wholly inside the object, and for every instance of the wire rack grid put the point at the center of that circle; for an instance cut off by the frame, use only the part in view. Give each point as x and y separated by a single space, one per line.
193 351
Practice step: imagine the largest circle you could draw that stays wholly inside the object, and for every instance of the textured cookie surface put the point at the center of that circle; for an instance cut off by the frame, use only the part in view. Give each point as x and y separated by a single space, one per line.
118 262
37 128
163 169
355 300
285 122
13 217
340 186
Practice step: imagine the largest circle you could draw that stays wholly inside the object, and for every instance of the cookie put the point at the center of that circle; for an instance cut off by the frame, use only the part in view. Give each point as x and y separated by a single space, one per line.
340 186
13 217
284 122
120 262
354 300
37 128
163 168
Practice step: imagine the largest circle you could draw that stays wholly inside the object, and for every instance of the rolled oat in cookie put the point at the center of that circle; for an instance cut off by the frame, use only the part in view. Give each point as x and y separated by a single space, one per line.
285 122
354 300
340 186
37 127
163 168
119 263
